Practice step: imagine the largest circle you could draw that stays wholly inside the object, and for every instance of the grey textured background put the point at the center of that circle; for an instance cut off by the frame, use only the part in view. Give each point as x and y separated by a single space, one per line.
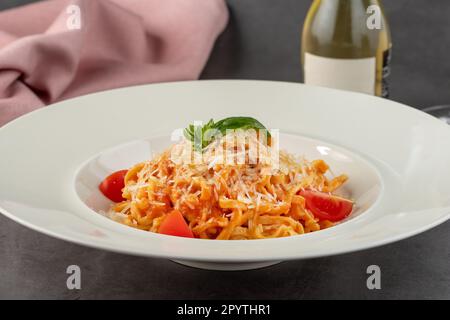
262 41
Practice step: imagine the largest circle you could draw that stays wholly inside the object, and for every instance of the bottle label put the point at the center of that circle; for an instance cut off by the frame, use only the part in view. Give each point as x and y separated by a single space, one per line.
386 72
346 74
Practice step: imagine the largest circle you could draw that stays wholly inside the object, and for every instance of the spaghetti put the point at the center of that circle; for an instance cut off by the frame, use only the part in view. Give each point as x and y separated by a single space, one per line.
220 199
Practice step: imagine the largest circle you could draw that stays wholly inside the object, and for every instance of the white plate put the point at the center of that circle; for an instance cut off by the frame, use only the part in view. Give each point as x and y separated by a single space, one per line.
397 159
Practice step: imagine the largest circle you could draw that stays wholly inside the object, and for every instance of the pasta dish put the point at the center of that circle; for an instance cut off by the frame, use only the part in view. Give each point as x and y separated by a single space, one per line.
230 187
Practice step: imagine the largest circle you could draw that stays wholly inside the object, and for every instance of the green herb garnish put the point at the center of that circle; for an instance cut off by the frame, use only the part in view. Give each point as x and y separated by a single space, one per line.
211 130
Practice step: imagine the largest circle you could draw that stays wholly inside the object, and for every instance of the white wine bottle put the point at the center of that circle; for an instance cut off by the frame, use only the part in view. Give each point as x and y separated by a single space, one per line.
346 44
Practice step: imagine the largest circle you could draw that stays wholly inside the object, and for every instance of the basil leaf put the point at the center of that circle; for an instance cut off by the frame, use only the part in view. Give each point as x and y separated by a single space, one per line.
244 123
202 136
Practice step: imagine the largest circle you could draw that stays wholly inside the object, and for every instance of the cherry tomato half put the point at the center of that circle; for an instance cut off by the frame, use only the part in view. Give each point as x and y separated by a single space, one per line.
175 225
325 206
112 186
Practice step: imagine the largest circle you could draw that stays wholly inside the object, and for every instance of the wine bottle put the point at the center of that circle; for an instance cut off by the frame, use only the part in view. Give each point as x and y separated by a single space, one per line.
346 44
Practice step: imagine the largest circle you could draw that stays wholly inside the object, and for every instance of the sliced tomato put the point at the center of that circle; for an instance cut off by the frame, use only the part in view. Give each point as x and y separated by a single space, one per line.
175 225
112 186
325 206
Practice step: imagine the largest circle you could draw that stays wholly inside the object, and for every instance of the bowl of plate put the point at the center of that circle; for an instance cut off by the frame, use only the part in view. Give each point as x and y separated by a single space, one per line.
396 159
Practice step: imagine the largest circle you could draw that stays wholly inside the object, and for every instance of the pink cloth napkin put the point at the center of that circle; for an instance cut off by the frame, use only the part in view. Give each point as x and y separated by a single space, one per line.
58 49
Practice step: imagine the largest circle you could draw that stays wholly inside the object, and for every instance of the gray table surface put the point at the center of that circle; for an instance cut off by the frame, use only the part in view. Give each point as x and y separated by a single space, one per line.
262 42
